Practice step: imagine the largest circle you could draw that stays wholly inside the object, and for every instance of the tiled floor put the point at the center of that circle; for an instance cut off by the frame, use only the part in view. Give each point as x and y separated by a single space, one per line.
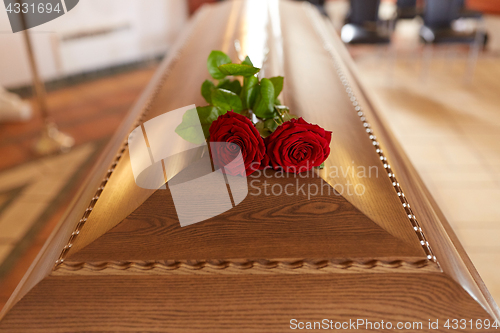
35 191
41 181
451 132
86 111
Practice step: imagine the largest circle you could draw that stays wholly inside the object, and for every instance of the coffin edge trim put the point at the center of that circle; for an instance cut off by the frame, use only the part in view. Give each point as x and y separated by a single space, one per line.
245 266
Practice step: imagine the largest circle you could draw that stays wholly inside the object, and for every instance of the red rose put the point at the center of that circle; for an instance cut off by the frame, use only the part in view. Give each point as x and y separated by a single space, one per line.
298 146
235 128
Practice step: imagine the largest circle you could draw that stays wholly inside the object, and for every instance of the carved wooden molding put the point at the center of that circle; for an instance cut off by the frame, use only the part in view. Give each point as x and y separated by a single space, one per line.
244 266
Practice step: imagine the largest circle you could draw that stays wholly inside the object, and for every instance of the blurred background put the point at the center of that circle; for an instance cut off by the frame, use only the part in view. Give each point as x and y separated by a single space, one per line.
432 67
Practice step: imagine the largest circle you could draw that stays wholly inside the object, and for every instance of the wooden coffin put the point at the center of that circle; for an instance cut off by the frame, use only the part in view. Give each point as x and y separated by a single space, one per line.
120 261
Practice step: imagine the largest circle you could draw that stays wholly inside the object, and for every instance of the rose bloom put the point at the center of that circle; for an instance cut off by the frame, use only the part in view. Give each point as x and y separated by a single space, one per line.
238 130
298 146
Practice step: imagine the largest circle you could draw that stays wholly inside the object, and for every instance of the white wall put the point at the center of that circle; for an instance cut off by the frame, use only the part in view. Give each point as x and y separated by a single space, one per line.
145 28
493 28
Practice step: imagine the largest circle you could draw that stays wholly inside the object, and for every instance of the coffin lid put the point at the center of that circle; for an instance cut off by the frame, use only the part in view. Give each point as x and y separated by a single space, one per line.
127 223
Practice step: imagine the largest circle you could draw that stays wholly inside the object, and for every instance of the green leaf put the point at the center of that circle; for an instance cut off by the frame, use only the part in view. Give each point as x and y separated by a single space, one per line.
263 131
247 61
278 85
249 91
188 129
216 59
234 86
206 90
271 124
322 165
238 69
207 115
277 101
226 100
265 101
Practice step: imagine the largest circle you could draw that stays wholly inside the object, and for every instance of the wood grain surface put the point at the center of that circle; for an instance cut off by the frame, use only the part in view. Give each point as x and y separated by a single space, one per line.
262 226
243 303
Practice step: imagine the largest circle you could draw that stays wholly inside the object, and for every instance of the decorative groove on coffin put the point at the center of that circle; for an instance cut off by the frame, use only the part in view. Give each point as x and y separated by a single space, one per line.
245 266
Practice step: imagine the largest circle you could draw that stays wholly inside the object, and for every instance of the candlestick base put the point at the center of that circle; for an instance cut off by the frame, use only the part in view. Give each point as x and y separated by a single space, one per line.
52 141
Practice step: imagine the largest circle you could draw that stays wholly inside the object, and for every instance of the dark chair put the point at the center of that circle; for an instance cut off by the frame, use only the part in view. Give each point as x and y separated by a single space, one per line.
319 4
438 18
407 9
465 13
363 25
437 29
468 13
